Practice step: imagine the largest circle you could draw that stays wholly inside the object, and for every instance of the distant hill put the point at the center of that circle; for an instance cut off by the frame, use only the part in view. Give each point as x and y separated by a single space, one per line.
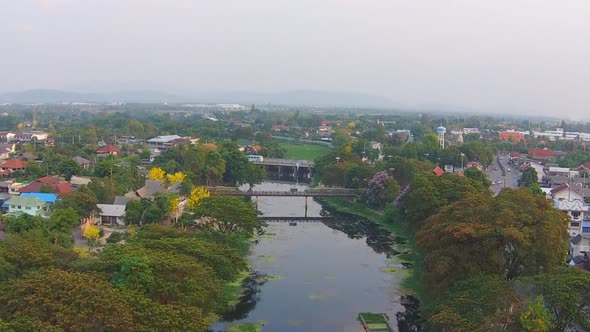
59 96
294 98
303 97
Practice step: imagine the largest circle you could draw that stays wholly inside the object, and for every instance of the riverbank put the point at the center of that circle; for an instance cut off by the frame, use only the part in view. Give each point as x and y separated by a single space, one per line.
412 282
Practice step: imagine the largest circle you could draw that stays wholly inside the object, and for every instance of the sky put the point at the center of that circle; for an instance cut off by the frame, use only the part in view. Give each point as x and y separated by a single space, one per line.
529 56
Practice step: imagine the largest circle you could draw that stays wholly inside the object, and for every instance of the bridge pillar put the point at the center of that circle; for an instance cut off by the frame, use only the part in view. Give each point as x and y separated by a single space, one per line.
305 206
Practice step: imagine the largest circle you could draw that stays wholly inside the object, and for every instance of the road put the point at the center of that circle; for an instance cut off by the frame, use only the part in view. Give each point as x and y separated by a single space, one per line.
496 175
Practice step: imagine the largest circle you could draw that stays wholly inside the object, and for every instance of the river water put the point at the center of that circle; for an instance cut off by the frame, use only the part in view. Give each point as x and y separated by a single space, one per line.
317 276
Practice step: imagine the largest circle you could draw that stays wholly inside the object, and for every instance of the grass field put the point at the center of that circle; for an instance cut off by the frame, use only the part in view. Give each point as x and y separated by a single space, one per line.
304 151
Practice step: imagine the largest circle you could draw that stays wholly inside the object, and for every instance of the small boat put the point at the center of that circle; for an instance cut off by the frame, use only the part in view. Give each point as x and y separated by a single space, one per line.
375 322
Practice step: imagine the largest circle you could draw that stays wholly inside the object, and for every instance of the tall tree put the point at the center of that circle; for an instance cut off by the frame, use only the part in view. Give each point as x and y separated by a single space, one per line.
228 215
515 233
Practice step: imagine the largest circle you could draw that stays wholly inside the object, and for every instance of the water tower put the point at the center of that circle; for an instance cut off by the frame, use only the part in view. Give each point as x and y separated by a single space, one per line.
440 132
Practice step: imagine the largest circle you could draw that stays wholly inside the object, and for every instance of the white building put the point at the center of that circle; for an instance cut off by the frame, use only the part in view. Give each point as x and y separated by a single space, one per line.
166 142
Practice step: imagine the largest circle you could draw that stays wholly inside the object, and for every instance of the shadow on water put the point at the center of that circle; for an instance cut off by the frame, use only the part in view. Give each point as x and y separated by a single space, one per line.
251 295
377 238
382 242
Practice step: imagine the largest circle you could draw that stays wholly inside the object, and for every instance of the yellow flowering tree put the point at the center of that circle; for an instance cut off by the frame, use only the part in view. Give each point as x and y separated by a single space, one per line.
197 195
176 177
92 233
156 173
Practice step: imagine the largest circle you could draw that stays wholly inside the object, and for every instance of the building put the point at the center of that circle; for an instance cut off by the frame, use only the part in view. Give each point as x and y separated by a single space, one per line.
150 189
6 149
48 198
6 136
541 154
78 181
29 205
83 163
28 136
108 150
279 128
13 165
57 186
511 136
111 214
166 142
577 210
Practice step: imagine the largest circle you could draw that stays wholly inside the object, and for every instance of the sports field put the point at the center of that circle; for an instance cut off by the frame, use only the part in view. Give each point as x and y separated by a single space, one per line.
304 151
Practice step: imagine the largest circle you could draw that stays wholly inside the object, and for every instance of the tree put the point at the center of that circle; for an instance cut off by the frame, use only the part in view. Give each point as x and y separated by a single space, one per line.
68 168
156 173
133 212
382 189
515 233
535 317
82 201
528 177
566 292
197 194
72 301
176 177
228 215
92 233
478 176
474 304
153 214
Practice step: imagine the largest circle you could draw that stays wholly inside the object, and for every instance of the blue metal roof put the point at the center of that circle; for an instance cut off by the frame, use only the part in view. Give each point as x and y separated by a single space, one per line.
45 197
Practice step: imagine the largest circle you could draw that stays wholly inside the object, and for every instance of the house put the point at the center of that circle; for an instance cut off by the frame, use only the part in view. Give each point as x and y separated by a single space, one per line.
108 150
584 168
438 171
29 205
511 136
565 192
577 210
279 128
28 136
6 149
150 189
111 214
48 198
57 185
78 181
123 200
13 165
6 136
167 142
541 154
83 163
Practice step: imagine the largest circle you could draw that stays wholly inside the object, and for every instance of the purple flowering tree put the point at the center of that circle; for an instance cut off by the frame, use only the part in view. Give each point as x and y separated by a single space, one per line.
382 189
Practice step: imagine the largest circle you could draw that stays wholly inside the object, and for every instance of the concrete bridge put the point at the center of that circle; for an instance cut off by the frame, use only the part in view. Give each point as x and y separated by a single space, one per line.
330 192
294 219
281 168
294 192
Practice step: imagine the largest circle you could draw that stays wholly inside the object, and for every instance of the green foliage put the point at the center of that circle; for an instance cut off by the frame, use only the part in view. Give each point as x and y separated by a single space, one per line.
474 304
528 177
515 233
428 193
566 292
228 215
478 176
82 201
535 317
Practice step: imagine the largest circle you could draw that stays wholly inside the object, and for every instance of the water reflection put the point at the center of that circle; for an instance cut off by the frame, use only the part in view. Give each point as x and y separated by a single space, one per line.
330 271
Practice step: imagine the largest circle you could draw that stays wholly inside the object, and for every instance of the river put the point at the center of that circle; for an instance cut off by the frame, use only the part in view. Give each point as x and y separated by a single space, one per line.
317 276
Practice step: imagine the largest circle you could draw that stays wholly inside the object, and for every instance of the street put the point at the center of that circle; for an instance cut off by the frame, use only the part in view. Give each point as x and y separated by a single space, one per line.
494 172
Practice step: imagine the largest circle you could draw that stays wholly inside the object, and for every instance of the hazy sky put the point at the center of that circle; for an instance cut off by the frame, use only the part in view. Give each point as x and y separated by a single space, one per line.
530 55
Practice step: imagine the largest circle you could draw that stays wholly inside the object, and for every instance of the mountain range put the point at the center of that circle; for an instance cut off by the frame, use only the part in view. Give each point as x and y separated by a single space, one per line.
291 98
